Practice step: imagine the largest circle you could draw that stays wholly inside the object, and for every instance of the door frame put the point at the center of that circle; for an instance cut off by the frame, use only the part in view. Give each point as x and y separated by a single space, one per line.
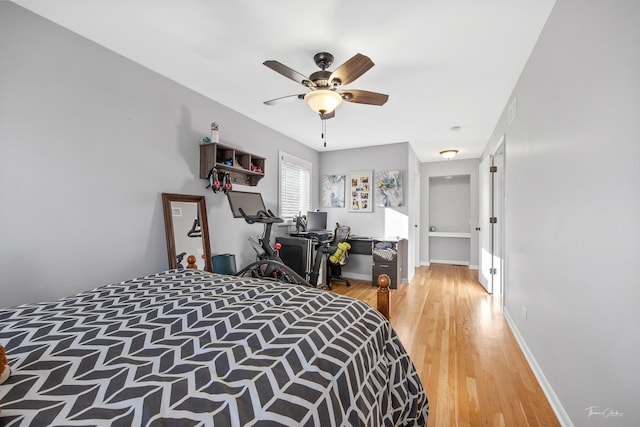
493 234
499 207
485 238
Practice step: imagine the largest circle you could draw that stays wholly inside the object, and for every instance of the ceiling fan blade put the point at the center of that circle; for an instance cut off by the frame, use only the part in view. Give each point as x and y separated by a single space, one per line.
364 97
288 72
351 70
284 99
326 116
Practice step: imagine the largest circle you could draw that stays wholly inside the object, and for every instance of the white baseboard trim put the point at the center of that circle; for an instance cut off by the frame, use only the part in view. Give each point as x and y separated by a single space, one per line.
357 276
427 263
555 403
449 261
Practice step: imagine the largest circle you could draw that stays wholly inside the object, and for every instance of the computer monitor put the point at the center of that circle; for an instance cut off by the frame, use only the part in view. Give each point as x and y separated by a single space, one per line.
316 221
250 203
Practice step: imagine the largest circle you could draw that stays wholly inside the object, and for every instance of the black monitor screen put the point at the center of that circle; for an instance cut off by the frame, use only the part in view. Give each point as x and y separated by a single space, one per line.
316 221
250 203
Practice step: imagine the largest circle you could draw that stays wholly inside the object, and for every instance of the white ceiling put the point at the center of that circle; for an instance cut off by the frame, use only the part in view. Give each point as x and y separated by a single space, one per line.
443 63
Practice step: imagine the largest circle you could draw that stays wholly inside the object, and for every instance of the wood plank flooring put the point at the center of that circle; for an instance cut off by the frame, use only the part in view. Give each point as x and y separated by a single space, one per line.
466 355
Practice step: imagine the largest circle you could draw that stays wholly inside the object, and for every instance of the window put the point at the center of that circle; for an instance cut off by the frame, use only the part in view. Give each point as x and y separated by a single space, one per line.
295 186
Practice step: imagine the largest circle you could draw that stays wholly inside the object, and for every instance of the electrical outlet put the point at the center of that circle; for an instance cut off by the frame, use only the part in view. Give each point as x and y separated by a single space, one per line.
524 312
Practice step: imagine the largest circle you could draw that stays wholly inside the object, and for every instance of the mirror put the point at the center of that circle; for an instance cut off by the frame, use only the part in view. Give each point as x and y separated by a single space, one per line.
187 231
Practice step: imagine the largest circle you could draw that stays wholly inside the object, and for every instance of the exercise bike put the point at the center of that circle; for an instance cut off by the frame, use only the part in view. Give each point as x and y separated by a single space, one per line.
268 264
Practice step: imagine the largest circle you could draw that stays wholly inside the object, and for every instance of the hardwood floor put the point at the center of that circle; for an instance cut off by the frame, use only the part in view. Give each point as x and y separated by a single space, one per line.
467 357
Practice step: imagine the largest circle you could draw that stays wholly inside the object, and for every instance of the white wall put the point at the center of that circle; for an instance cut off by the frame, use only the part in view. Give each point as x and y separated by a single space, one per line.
573 211
88 142
467 167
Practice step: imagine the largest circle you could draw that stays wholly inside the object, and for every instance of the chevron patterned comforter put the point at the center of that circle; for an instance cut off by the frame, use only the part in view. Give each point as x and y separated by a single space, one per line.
191 348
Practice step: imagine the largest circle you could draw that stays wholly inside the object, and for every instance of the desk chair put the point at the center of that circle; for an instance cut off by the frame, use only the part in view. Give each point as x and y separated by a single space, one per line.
340 235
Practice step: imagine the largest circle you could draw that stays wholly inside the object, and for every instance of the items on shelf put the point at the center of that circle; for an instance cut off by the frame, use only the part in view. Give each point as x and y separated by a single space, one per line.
213 136
215 133
240 167
225 185
214 182
227 162
256 168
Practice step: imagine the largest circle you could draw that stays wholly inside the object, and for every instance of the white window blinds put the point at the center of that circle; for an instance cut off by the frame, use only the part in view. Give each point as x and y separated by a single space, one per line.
295 186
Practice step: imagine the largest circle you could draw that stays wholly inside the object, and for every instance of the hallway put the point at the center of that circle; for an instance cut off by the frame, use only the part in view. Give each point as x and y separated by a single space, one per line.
468 359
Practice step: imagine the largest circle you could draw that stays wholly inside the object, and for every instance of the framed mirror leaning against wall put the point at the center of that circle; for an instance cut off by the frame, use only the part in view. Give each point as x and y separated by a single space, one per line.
187 231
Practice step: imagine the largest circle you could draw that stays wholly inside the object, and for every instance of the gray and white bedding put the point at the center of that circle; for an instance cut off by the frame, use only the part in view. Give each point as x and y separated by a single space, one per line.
191 348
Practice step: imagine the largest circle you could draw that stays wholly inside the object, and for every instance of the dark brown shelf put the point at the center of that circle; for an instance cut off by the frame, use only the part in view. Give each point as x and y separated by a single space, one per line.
239 170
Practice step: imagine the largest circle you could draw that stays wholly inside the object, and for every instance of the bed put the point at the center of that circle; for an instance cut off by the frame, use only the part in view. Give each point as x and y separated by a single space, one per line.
192 348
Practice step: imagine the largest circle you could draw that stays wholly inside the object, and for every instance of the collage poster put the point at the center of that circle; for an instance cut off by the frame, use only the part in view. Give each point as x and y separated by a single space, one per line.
360 195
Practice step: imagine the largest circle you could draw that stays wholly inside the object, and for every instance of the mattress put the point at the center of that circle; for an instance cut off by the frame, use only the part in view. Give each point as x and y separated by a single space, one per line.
191 348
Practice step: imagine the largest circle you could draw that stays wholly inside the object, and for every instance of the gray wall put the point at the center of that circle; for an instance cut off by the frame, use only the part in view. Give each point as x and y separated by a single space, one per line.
383 157
454 168
450 203
573 210
414 192
88 142
450 211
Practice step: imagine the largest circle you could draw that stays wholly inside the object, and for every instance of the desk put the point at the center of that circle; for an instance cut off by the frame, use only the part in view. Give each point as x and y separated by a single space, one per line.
387 256
360 245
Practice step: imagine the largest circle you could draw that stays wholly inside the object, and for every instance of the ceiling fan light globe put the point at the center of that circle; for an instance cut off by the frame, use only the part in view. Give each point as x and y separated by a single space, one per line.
323 101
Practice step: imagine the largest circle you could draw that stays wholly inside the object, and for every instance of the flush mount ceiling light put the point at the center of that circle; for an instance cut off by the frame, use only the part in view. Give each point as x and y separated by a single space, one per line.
323 101
449 154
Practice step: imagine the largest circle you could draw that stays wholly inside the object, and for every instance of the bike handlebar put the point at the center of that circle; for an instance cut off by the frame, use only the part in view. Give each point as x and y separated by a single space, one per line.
263 217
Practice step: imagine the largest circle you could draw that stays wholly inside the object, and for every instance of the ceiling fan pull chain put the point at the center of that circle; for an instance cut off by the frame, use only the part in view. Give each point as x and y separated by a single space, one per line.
324 132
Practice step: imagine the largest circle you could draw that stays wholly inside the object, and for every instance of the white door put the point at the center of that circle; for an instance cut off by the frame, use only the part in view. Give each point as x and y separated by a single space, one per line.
486 227
498 228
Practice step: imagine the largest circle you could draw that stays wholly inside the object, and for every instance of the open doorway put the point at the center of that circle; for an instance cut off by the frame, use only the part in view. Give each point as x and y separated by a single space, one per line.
450 219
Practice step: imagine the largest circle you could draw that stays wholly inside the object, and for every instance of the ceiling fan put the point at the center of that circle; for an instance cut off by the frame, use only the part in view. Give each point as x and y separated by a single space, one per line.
326 93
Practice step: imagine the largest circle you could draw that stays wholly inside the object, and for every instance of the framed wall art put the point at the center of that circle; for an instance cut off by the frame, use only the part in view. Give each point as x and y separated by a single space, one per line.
388 188
360 191
332 191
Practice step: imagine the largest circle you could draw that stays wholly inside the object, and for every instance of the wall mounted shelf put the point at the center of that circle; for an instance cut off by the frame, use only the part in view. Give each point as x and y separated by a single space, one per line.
244 168
449 234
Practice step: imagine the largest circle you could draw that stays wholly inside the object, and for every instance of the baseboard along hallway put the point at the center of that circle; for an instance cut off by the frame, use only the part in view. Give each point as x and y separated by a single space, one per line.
467 357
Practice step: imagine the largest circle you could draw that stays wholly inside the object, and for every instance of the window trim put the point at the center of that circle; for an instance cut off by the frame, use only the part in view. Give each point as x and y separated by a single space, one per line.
284 157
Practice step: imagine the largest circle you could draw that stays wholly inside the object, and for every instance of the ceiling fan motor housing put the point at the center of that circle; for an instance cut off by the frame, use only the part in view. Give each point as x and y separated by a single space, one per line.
321 79
323 60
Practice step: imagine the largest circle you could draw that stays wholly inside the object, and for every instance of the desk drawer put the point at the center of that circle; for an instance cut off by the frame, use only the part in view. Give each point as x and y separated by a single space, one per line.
360 246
